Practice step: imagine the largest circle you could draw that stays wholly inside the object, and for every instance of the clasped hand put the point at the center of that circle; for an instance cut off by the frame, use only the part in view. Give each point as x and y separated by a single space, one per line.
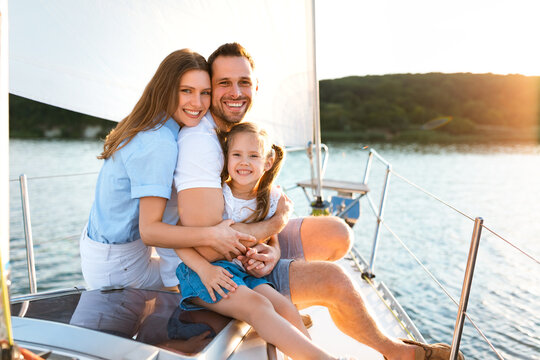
229 241
260 260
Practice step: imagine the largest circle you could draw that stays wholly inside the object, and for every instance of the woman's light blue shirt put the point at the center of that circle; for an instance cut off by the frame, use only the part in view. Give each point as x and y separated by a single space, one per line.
144 167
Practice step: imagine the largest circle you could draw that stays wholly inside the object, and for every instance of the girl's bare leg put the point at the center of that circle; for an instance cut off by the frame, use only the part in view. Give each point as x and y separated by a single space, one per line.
255 309
283 307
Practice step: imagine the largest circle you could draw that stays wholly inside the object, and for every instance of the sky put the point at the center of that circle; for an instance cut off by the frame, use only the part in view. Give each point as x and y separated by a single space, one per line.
374 37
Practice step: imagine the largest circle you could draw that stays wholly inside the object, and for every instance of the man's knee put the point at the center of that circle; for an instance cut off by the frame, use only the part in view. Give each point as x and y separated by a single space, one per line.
343 237
326 238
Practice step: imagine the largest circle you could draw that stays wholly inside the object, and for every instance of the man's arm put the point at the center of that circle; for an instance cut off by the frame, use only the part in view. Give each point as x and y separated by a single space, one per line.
262 230
204 207
201 207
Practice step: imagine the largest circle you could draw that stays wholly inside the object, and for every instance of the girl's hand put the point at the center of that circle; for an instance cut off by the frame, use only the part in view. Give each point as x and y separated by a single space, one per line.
266 254
216 278
227 240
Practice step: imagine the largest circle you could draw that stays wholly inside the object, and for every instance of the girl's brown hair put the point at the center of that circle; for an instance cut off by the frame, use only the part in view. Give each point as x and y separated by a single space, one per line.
269 151
158 101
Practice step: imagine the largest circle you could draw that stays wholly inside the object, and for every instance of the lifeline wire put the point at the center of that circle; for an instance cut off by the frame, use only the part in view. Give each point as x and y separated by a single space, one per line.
467 216
56 176
443 289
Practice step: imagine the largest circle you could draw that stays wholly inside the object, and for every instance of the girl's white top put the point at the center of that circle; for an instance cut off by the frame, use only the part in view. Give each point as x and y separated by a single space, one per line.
240 209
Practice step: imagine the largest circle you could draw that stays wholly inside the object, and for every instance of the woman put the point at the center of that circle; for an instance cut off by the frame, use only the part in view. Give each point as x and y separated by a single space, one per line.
135 182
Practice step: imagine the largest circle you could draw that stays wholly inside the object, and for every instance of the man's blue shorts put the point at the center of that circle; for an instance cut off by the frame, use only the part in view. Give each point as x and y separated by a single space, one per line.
191 285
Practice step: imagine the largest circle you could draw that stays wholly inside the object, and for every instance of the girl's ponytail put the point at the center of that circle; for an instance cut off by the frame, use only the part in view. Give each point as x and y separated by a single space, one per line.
265 185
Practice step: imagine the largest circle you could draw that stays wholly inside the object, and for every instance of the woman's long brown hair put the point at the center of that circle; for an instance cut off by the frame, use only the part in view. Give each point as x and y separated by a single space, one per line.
265 183
158 101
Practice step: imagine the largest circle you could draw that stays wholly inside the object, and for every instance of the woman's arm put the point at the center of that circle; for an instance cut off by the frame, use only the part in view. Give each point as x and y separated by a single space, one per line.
221 238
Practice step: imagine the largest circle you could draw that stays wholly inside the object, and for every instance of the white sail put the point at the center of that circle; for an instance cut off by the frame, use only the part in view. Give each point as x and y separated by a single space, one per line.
96 56
5 333
4 134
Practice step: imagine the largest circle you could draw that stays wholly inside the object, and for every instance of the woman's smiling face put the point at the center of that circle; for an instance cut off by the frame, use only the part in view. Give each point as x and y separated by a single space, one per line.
194 97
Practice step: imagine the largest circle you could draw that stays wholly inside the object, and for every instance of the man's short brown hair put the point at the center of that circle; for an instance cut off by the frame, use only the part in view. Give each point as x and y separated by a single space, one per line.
230 49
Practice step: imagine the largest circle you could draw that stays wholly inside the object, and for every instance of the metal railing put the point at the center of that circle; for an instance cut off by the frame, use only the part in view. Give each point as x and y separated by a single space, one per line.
469 272
27 223
28 234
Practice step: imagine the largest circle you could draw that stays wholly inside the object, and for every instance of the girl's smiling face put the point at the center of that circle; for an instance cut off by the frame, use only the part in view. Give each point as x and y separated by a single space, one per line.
246 160
194 97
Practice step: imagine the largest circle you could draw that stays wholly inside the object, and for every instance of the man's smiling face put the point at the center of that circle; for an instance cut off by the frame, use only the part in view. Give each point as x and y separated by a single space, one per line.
233 86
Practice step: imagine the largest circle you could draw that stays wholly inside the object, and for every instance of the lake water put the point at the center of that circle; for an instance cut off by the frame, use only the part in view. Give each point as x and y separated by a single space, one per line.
498 183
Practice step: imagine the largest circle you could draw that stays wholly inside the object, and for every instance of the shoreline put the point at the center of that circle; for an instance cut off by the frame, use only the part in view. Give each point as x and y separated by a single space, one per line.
522 136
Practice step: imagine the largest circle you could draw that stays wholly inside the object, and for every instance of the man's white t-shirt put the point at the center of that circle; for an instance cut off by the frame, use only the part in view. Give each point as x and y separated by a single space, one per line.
200 157
199 165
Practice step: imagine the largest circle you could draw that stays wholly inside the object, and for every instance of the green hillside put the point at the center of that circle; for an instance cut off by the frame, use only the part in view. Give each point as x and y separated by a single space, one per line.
482 107
32 119
397 107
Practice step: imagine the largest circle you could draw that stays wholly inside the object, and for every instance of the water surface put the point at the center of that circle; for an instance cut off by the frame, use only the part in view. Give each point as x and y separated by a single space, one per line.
497 183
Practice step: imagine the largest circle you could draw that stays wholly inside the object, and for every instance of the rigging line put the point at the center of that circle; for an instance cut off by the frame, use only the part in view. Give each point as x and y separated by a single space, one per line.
372 206
57 176
462 213
484 336
420 263
509 243
432 195
68 237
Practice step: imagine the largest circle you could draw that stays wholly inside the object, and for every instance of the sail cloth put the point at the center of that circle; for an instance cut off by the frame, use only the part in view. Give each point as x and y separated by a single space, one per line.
96 56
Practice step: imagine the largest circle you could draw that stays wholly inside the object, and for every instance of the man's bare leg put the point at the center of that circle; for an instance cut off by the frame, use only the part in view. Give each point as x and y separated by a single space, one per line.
326 238
326 284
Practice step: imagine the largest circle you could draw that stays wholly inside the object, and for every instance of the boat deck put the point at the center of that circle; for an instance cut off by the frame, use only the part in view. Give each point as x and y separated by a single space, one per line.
381 305
133 323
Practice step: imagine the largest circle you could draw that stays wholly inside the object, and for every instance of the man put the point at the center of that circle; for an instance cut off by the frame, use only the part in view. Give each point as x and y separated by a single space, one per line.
313 241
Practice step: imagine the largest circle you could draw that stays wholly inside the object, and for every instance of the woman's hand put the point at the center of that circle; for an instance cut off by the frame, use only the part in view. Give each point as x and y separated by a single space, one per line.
216 278
226 240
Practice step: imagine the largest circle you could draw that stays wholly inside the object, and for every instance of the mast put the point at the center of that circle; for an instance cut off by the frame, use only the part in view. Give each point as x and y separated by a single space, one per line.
316 111
318 204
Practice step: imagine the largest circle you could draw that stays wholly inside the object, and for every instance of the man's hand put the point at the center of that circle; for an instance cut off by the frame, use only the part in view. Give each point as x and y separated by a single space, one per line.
227 240
263 254
283 211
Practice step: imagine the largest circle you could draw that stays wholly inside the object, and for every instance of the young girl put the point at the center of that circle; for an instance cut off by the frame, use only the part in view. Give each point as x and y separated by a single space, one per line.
135 181
251 165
